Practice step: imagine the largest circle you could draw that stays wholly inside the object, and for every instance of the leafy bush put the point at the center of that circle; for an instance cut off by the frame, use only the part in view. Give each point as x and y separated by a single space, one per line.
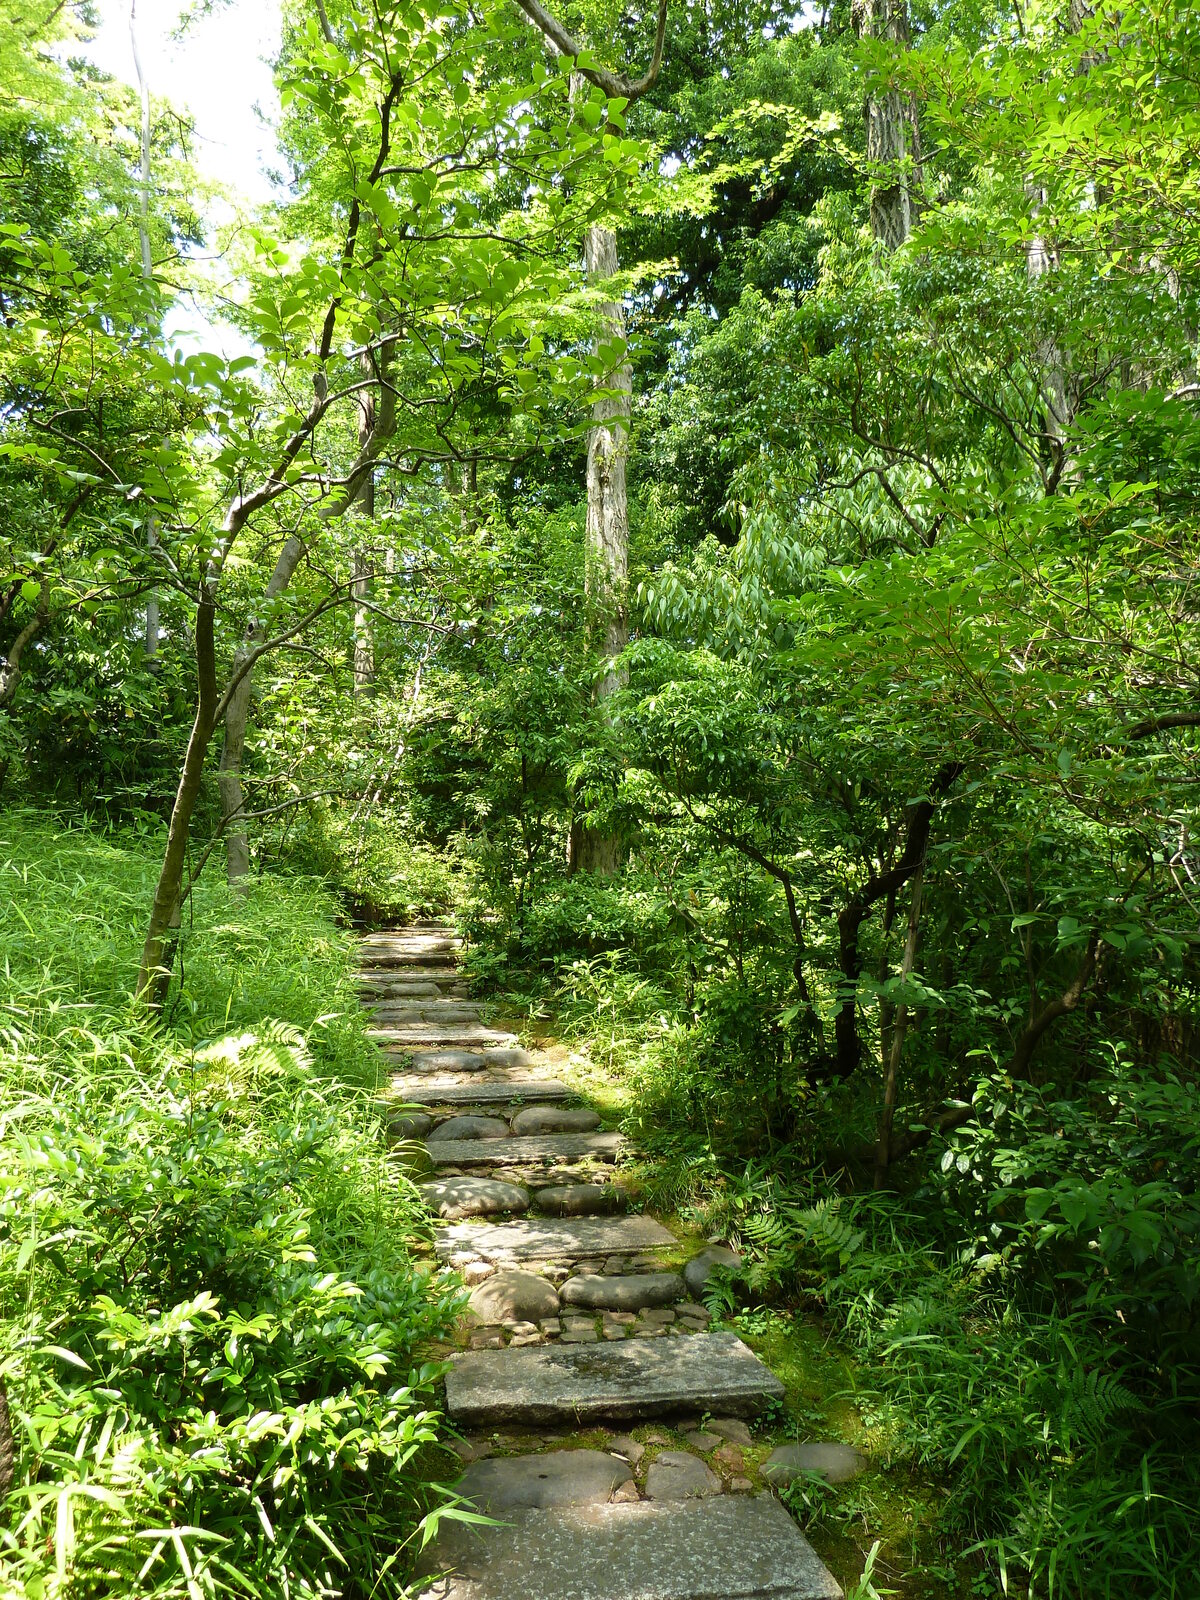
211 1317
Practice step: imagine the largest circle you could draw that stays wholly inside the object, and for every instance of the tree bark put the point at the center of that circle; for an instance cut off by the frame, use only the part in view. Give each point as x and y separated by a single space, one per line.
893 131
363 572
8 1454
899 1029
606 539
152 620
847 1045
154 974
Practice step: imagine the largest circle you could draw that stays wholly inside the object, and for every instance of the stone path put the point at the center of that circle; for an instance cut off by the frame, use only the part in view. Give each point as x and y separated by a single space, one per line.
579 1320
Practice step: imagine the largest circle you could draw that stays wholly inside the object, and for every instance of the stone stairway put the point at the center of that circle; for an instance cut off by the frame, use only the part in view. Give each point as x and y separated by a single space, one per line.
577 1320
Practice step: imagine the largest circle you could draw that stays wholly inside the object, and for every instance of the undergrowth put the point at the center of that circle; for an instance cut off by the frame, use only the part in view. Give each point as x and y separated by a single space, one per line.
209 1309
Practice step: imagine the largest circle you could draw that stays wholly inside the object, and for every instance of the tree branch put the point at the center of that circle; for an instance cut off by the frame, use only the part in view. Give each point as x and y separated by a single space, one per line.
614 86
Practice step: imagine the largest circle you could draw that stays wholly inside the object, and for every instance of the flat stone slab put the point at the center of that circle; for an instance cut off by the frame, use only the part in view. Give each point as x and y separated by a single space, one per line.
552 1478
552 1238
836 1463
391 977
618 1292
576 1384
434 1034
486 1088
730 1547
510 1152
450 1061
472 1197
403 1012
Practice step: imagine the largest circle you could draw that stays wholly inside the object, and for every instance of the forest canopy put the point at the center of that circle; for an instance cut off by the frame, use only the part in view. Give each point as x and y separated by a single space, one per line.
711 502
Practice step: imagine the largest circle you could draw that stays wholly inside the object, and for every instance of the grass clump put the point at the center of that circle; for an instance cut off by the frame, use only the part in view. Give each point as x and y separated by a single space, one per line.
210 1314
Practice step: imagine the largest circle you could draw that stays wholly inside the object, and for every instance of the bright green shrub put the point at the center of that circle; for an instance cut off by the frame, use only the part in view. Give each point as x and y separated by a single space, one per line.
210 1316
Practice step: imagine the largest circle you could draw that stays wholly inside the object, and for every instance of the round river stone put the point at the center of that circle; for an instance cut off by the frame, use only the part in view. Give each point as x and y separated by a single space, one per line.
580 1200
604 1292
554 1119
470 1128
512 1296
836 1463
453 1198
696 1273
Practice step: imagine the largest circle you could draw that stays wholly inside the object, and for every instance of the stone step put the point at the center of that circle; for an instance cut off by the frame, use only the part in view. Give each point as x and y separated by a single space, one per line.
374 994
573 1385
388 977
408 959
728 1547
418 953
514 1151
476 1090
554 1238
434 1035
443 1008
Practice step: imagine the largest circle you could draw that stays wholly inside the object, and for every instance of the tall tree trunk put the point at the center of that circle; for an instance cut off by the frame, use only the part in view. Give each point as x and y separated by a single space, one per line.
155 972
606 539
899 1029
893 131
152 621
360 585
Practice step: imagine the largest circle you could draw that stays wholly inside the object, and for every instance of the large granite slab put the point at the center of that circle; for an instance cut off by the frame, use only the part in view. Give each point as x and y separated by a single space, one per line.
554 1238
576 1384
515 1152
730 1547
469 1090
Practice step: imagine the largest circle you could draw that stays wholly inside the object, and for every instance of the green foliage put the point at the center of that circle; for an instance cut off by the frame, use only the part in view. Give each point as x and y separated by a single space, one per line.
211 1314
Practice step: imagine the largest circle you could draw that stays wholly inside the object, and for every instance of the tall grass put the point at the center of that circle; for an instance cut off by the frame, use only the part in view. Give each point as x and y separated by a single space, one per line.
210 1314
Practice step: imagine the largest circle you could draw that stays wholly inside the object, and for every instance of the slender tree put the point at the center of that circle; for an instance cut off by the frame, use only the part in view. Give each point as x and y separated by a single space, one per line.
606 536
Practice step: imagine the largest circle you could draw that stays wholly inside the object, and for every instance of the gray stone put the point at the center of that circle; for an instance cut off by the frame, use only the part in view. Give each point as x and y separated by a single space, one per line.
836 1463
551 1238
472 1197
580 1199
726 1548
640 1289
697 1271
676 1475
459 1128
385 976
400 989
511 1055
546 1147
482 1090
702 1441
439 1035
554 1478
512 1296
410 1125
554 1119
385 1013
624 1381
627 1446
446 1061
731 1428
